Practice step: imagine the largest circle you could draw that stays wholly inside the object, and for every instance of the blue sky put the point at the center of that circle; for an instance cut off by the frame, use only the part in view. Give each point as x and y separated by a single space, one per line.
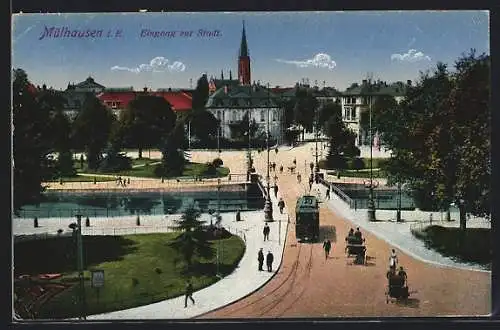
336 47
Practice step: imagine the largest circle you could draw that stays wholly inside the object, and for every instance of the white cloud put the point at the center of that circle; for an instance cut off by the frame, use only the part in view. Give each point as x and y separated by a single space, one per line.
411 56
319 60
157 64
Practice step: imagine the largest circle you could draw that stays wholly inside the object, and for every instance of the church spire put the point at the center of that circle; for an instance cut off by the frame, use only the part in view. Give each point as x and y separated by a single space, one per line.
243 46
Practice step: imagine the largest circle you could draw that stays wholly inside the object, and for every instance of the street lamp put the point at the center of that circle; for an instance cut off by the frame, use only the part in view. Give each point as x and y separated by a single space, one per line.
249 153
371 203
217 223
268 207
398 212
77 229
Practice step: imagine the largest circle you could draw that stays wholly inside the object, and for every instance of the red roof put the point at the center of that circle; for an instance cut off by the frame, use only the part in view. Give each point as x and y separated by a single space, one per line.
180 101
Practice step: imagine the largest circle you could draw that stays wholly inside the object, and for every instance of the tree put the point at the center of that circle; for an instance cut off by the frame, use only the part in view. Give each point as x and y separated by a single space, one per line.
440 136
92 127
192 239
305 108
61 130
326 111
203 123
147 120
380 123
342 140
200 94
469 102
31 142
244 128
173 156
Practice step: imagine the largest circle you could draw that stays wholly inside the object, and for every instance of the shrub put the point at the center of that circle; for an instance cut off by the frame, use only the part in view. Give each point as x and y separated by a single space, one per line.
158 270
135 281
357 164
210 169
59 231
217 162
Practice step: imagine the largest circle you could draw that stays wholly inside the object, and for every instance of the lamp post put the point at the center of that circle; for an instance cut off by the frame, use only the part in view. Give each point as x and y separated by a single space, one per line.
371 203
316 165
77 229
217 223
398 213
249 153
268 207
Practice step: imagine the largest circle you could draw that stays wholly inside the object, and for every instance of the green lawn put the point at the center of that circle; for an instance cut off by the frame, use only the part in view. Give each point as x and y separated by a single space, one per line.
143 161
476 248
191 169
146 259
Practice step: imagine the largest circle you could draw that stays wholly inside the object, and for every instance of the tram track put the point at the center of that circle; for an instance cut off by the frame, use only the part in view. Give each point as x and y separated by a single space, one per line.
293 270
305 279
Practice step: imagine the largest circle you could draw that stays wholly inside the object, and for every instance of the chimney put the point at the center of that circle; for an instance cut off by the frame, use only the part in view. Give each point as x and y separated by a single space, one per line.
408 82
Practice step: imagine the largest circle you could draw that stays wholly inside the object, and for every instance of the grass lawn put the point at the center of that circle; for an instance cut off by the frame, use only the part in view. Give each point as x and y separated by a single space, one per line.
81 178
191 169
146 260
143 161
477 245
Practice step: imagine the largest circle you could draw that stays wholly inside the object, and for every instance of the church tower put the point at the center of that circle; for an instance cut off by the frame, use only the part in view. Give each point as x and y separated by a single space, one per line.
244 60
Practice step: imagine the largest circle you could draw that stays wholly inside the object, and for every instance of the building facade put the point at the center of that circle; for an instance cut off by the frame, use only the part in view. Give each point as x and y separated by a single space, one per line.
230 100
356 99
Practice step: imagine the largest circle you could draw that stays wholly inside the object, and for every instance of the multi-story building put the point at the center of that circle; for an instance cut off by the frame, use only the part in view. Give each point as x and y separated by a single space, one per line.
231 99
75 95
356 99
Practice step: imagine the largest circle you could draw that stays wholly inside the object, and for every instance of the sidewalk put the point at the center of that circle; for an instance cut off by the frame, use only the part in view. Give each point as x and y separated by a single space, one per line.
397 234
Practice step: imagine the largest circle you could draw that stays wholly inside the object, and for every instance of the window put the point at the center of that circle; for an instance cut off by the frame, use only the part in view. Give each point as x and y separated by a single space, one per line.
218 115
349 113
275 115
353 100
262 116
113 105
235 117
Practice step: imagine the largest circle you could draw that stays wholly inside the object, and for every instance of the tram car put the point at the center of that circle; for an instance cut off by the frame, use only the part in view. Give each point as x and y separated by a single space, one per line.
307 219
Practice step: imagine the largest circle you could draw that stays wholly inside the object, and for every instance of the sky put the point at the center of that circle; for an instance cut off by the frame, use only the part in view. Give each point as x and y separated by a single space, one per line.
162 50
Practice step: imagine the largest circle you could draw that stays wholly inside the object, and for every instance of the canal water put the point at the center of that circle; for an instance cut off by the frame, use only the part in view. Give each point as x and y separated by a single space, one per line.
115 204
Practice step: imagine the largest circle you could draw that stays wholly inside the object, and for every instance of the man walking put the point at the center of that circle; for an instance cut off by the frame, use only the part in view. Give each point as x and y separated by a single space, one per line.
327 245
266 232
269 261
189 293
281 205
275 190
260 258
328 193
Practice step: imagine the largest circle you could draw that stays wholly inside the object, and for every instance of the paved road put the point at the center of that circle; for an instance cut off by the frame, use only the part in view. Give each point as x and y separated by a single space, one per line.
307 285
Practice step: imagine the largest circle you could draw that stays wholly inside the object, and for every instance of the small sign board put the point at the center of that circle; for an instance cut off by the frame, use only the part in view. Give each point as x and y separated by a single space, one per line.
97 278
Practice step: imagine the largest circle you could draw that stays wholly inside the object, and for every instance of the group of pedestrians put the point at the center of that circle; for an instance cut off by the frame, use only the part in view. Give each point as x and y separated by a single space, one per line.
122 182
269 260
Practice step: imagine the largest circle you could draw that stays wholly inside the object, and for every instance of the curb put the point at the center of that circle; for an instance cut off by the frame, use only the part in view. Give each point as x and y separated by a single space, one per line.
256 289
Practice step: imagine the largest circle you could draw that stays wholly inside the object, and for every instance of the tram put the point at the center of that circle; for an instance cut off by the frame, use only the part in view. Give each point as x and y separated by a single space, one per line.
307 219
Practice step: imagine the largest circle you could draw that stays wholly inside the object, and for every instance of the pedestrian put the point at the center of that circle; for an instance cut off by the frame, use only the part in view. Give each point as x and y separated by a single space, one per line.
281 205
128 181
328 193
269 261
238 215
393 261
275 190
327 245
281 168
299 177
260 259
311 180
266 232
294 161
189 293
119 180
311 165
